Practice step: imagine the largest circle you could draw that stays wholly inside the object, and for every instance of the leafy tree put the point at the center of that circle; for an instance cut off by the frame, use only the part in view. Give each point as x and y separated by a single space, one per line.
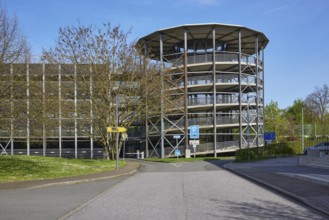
295 111
112 73
274 120
272 115
293 117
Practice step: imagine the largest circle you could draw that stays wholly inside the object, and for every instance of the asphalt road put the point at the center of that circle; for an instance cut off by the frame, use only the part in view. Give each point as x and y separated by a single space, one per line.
200 190
50 202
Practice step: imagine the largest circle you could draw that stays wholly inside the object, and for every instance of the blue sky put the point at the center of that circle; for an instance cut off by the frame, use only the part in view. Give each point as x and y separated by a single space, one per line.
296 59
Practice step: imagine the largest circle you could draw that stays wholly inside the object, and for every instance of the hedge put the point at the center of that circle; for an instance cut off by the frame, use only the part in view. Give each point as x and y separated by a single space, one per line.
270 151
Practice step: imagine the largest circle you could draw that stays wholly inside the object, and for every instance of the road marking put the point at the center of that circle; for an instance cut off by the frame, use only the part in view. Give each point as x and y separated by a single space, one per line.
177 164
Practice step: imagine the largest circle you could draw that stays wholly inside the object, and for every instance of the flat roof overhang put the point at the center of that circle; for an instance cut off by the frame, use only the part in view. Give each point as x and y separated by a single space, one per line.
224 33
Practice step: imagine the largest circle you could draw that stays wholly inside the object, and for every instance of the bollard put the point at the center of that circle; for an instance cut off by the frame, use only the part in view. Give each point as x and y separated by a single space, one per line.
187 153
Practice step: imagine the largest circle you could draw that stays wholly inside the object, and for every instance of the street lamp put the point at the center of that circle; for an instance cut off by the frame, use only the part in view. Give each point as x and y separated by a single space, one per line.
117 133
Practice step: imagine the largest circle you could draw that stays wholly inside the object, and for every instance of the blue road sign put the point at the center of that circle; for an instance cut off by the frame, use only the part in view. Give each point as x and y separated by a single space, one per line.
269 136
194 132
177 153
176 136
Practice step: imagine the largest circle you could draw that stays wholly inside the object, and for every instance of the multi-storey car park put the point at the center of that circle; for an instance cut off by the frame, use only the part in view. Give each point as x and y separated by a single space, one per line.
46 109
215 80
36 91
217 83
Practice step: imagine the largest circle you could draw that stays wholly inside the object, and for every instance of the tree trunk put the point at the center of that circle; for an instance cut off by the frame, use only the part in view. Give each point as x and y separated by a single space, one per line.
107 151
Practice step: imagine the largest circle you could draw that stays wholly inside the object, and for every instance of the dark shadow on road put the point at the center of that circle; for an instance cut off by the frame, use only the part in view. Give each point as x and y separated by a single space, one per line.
262 209
218 163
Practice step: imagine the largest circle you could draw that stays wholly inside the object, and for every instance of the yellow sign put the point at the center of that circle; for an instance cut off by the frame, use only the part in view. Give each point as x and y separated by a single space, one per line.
116 129
124 136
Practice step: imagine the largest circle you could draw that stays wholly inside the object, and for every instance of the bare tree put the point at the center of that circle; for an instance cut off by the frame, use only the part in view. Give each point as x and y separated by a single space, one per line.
318 102
111 73
14 46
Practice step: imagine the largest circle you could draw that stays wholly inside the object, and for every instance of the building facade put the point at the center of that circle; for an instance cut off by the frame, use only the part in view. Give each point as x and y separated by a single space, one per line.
44 112
216 82
213 75
50 110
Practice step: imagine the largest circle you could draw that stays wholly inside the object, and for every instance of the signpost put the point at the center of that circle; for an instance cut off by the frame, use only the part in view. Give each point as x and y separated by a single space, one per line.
269 137
194 146
116 130
194 132
124 138
177 151
194 142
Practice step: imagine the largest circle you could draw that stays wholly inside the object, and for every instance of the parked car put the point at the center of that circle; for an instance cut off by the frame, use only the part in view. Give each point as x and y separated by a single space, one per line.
320 146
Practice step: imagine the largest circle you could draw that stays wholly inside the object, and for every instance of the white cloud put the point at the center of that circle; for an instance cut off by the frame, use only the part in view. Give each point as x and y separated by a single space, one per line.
280 8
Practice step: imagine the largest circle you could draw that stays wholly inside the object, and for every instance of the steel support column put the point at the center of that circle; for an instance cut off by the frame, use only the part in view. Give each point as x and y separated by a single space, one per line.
240 92
91 114
146 107
162 101
75 114
28 109
60 110
257 93
263 84
11 110
44 140
214 90
185 91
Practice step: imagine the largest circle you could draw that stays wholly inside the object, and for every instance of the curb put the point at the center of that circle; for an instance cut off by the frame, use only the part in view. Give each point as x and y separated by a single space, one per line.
73 211
277 189
83 180
86 180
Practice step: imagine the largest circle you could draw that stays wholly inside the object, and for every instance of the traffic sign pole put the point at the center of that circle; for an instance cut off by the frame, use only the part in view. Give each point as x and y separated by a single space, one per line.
177 136
124 138
194 146
117 134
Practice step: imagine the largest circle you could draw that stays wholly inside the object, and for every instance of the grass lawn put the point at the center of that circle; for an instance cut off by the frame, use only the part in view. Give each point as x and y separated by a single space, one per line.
23 168
182 159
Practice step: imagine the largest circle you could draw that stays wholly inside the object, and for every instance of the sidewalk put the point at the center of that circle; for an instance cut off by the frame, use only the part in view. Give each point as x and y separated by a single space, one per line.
307 185
129 169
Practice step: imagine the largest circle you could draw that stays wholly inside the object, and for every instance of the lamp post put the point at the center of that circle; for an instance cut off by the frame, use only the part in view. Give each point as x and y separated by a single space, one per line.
117 134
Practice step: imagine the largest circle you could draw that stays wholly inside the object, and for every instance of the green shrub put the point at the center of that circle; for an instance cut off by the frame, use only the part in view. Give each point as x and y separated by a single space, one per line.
270 151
